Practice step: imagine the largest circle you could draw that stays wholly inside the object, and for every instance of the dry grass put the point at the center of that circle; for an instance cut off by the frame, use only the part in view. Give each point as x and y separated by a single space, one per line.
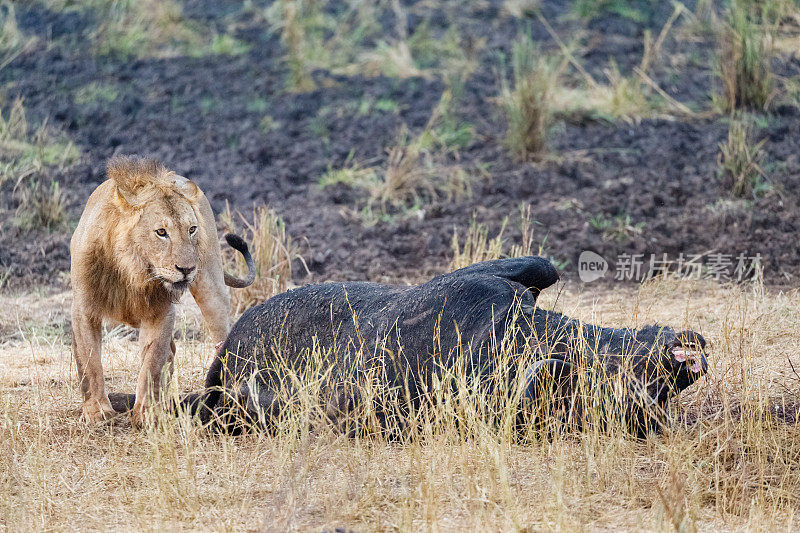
734 467
417 169
629 98
738 162
128 29
273 252
40 206
527 101
24 157
477 245
745 50
25 152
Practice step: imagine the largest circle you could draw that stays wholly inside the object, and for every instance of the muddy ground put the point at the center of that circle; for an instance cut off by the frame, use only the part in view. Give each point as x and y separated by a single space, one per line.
201 116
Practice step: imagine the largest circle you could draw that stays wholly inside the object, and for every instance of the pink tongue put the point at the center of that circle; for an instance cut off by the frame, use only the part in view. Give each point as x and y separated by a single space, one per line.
680 354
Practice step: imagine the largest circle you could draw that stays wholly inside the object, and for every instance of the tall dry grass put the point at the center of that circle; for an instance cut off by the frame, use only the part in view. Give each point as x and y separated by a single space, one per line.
527 100
729 460
738 162
745 50
477 246
273 252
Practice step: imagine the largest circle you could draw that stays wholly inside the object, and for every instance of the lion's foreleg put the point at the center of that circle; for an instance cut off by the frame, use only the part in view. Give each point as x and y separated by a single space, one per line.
86 345
158 353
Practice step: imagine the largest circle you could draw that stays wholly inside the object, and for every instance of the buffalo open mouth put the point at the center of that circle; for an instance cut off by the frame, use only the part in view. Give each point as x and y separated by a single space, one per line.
690 354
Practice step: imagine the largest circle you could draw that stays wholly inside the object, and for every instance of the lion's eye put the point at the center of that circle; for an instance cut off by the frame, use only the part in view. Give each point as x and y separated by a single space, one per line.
192 230
161 232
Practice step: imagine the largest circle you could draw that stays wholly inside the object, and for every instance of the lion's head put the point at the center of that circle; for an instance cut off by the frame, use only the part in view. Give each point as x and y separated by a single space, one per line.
160 233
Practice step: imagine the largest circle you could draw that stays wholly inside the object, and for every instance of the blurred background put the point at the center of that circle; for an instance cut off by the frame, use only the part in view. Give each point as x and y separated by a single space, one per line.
389 140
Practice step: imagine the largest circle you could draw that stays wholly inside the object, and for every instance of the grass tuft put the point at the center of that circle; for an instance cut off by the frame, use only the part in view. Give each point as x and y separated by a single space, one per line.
738 162
477 245
744 55
619 228
25 154
40 206
528 104
12 41
96 92
414 172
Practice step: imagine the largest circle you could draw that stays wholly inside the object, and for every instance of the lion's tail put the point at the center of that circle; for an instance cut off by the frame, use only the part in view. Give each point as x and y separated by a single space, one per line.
238 244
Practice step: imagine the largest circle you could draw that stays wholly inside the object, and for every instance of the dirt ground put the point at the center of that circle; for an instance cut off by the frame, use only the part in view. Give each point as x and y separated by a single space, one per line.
656 179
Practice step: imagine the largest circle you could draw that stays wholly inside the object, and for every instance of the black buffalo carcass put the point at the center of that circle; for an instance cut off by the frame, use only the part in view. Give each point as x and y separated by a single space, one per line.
407 337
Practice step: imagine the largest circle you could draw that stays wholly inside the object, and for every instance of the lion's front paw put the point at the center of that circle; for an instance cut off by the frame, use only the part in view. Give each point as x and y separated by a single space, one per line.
96 411
138 416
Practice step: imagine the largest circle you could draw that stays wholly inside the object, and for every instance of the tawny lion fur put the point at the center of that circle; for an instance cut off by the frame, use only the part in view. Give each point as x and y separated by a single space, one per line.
145 235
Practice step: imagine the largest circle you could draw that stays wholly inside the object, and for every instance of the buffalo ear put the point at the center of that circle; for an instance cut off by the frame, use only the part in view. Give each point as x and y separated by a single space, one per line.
134 177
549 377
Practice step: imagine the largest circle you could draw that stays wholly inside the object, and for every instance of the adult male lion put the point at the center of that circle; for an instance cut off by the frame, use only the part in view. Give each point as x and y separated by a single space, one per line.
145 236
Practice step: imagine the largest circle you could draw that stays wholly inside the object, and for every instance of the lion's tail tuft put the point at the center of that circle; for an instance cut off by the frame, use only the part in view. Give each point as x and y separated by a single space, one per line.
238 244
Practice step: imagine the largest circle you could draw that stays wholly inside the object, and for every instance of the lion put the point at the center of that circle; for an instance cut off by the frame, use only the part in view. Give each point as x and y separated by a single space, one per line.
145 236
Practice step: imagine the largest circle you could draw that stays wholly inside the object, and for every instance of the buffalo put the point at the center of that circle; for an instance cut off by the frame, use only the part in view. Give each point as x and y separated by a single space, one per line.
480 321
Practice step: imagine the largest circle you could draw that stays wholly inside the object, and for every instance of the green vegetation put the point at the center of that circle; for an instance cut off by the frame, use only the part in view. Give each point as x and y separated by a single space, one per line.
619 228
368 106
351 174
134 28
127 29
224 44
96 92
352 42
23 158
635 10
257 105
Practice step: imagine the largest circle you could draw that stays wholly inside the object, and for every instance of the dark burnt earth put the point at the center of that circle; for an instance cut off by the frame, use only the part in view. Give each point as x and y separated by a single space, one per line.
197 115
408 335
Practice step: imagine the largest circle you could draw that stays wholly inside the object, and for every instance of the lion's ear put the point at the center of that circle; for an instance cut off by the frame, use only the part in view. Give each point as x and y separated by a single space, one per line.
134 177
185 187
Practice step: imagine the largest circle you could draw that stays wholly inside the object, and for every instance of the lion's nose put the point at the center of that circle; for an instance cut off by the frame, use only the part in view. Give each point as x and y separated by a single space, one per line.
185 270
